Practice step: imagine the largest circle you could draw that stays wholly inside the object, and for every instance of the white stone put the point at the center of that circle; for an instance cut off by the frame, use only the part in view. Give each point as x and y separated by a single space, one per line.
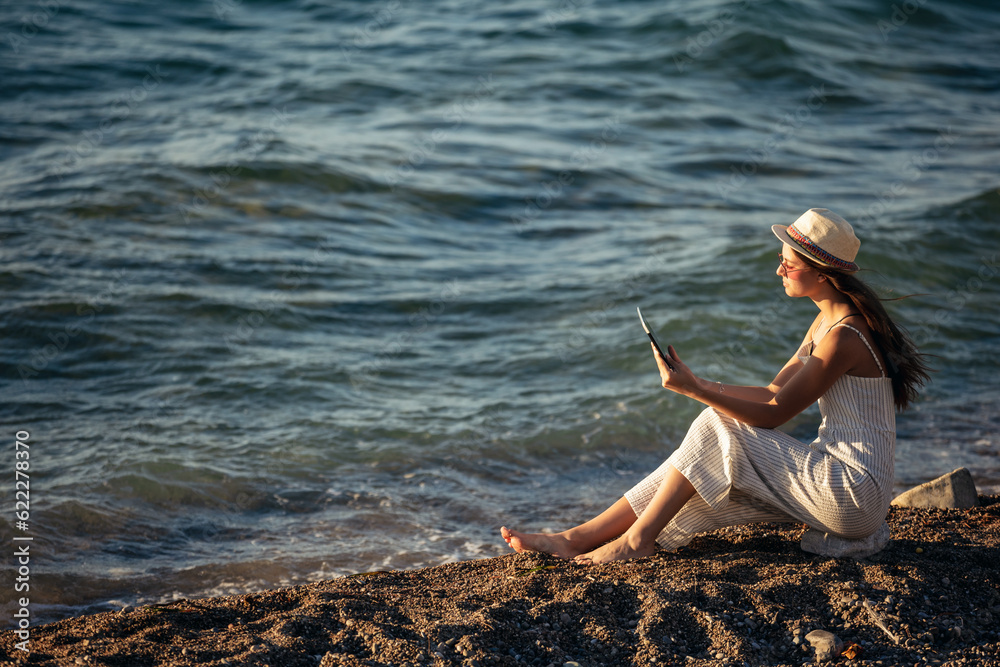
956 490
828 645
827 544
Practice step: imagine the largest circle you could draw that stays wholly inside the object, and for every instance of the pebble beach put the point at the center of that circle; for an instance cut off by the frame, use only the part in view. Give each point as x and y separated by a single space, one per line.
739 596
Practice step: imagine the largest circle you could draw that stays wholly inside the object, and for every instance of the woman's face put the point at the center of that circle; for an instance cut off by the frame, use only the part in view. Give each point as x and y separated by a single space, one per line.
797 278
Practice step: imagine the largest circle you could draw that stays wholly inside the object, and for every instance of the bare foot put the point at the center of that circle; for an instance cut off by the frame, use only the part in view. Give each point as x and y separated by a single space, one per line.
618 549
546 543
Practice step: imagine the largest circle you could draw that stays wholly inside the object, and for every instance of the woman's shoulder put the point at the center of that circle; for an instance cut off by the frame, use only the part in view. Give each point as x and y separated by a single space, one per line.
853 325
854 337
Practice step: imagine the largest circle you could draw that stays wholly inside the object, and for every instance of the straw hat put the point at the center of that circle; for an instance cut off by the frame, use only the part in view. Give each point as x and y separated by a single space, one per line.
824 236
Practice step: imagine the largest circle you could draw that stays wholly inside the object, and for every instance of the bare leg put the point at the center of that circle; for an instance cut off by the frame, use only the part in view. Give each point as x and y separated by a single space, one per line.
640 538
608 525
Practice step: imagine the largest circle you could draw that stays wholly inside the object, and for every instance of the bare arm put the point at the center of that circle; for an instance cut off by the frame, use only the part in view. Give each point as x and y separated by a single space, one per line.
800 385
765 394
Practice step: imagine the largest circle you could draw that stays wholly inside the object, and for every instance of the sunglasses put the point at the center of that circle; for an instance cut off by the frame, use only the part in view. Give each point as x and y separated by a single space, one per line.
788 268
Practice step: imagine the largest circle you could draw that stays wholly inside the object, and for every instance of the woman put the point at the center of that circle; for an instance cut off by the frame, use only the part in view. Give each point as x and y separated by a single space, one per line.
733 467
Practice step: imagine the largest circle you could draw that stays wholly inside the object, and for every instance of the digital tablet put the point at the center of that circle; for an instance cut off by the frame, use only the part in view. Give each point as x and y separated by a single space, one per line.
652 338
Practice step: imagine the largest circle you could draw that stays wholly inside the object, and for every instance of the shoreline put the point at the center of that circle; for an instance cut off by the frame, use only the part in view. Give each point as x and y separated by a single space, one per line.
741 594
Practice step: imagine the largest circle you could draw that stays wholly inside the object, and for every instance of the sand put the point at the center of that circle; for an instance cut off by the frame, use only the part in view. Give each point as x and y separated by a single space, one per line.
745 595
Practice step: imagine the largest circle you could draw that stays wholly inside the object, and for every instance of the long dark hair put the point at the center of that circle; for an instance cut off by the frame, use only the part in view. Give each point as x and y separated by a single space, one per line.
906 365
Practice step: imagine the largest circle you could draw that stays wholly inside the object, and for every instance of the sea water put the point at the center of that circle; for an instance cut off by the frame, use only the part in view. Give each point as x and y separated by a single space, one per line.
293 290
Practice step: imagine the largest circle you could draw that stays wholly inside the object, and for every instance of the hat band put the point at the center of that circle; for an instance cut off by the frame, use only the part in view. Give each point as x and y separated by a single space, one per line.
818 252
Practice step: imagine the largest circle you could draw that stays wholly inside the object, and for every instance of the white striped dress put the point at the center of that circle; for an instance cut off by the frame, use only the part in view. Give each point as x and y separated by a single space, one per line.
840 483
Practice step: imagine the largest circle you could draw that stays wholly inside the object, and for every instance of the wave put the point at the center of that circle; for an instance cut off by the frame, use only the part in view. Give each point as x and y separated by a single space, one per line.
318 176
983 207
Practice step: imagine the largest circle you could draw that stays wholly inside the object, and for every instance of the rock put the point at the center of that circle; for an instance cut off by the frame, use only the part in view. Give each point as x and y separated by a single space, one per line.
827 544
956 490
330 659
828 645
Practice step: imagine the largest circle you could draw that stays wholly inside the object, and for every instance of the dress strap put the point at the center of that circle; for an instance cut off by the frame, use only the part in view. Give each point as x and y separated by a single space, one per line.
842 319
812 343
865 340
